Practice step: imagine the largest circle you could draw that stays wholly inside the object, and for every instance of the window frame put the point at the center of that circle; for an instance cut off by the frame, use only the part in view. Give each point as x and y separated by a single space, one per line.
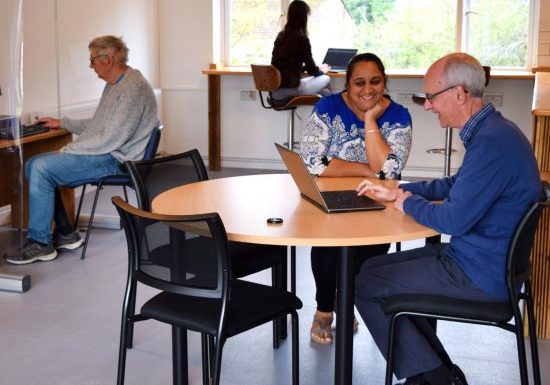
461 37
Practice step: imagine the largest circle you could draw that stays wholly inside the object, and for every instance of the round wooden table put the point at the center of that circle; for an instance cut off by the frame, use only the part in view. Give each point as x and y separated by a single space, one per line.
246 202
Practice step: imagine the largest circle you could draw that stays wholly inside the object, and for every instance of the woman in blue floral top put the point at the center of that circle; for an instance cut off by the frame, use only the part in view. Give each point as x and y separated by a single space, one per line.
357 132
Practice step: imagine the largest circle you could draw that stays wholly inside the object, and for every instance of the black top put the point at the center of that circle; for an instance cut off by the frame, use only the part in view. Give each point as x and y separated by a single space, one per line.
290 52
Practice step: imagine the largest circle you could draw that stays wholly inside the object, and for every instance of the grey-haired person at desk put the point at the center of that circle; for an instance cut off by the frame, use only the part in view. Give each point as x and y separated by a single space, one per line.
358 132
480 207
292 52
118 131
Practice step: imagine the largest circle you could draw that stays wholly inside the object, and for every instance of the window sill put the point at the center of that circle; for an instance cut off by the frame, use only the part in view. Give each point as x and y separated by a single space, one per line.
395 74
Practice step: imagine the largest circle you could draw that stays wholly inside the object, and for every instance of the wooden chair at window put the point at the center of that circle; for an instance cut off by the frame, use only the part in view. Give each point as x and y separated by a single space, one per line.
267 78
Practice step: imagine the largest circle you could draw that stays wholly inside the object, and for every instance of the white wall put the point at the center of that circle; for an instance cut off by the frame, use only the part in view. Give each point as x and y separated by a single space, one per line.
186 49
78 22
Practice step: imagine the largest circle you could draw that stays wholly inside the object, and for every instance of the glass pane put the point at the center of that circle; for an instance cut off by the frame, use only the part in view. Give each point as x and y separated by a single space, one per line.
12 217
497 32
395 30
406 34
254 25
340 33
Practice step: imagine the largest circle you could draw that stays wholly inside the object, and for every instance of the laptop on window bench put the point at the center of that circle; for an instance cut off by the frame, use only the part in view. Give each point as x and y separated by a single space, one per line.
329 201
338 58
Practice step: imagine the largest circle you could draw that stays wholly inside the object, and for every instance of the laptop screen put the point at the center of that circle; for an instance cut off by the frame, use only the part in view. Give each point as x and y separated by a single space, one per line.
338 58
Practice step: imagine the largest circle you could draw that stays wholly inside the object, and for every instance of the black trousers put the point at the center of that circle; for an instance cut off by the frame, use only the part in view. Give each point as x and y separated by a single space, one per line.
324 264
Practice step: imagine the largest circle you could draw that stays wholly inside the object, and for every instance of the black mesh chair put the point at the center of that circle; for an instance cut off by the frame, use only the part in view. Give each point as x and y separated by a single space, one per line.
151 177
110 180
187 258
506 315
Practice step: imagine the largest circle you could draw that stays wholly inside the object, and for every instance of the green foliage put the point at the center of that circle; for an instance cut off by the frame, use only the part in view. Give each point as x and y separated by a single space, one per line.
499 32
371 11
404 39
254 27
406 34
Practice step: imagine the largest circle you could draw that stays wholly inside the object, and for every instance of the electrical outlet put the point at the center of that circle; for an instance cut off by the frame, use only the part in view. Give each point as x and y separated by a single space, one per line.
495 99
404 97
248 95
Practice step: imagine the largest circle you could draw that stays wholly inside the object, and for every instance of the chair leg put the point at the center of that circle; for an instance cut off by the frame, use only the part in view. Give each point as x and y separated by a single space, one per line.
293 269
131 313
217 360
205 359
389 362
521 353
211 350
124 335
290 136
179 355
295 349
532 335
91 221
79 206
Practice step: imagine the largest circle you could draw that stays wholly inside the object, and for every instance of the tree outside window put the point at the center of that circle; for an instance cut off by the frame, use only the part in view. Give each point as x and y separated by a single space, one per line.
406 34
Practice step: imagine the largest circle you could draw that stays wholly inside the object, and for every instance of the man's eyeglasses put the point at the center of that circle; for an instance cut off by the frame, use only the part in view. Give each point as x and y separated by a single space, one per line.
92 58
430 97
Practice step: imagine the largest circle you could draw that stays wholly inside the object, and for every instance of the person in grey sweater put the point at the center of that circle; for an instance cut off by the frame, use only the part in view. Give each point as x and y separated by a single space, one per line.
118 131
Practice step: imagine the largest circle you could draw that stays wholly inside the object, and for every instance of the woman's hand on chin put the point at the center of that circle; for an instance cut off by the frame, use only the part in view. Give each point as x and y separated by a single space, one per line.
372 114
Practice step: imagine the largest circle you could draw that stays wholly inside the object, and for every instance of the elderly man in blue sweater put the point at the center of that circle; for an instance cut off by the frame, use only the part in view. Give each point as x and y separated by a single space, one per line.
480 207
118 131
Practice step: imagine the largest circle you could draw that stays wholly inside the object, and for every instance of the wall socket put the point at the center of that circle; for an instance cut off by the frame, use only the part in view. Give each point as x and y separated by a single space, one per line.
495 99
404 97
248 95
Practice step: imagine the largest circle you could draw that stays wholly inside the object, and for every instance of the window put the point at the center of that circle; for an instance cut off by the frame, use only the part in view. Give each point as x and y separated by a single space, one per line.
406 34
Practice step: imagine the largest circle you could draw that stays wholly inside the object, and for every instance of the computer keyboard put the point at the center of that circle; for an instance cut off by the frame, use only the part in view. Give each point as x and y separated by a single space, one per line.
6 132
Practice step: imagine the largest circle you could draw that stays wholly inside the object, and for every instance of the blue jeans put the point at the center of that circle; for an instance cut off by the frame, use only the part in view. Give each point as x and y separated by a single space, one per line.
46 172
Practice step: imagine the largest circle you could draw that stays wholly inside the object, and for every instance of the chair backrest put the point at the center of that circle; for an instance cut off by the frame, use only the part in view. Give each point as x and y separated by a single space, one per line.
487 70
152 177
153 143
518 268
267 78
182 254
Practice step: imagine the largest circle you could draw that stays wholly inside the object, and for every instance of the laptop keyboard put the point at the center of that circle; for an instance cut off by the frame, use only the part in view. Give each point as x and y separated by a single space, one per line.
5 132
344 199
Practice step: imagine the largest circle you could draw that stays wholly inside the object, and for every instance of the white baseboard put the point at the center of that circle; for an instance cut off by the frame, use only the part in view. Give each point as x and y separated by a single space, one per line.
100 221
5 215
277 164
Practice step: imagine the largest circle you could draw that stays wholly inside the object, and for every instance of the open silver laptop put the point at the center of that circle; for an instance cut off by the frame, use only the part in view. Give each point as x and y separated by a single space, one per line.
329 201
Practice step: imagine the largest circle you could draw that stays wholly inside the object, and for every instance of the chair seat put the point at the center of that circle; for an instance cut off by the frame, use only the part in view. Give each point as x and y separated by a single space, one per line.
112 180
291 102
492 312
250 305
303 100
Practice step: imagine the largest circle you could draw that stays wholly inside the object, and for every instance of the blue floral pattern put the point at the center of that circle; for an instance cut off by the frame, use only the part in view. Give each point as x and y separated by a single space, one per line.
334 131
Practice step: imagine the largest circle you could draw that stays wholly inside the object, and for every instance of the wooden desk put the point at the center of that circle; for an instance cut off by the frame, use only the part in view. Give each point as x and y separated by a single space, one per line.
12 176
244 204
216 71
